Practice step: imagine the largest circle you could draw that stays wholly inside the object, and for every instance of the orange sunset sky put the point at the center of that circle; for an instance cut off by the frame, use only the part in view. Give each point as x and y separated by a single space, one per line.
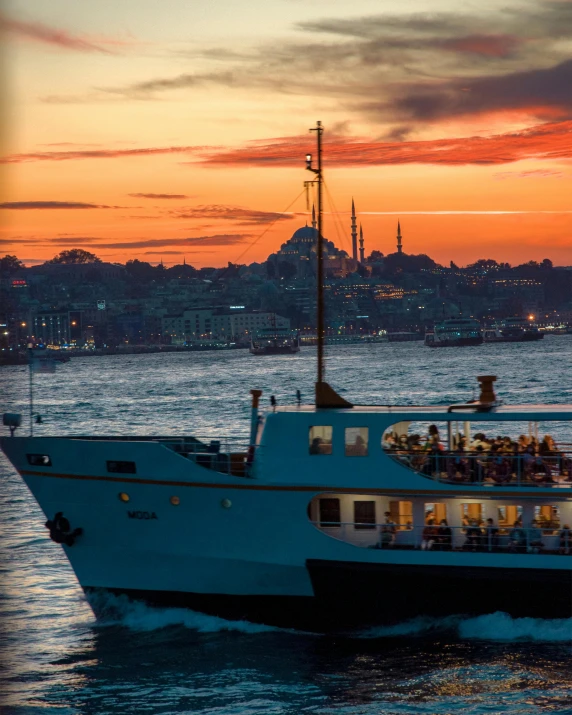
153 130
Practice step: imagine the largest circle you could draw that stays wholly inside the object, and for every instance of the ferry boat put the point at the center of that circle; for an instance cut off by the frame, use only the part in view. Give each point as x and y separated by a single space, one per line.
454 332
512 330
274 341
330 515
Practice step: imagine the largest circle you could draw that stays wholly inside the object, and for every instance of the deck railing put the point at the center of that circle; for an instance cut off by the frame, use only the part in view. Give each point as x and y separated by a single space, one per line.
483 468
472 538
231 455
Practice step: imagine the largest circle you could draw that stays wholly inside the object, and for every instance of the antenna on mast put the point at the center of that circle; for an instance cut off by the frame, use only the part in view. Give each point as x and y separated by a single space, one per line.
325 395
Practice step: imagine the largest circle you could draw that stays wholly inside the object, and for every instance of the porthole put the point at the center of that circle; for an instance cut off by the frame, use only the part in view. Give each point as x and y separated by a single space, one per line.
226 503
123 497
175 501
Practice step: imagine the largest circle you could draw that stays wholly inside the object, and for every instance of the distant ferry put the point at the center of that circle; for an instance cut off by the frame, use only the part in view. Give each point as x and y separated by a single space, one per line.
454 332
275 341
513 330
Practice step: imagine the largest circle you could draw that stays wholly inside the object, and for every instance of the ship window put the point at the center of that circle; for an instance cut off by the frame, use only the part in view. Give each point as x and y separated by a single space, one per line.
330 512
470 512
39 460
356 441
401 513
435 512
508 514
364 514
320 439
122 467
548 517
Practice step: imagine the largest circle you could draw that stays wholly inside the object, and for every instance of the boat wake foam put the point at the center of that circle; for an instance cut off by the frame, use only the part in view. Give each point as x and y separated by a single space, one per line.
119 610
500 627
492 627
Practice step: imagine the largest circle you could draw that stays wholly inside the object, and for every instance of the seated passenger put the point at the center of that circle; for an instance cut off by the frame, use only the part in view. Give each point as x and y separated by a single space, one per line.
498 467
316 445
490 536
359 447
444 536
565 540
474 534
386 538
517 538
535 538
388 530
388 441
429 535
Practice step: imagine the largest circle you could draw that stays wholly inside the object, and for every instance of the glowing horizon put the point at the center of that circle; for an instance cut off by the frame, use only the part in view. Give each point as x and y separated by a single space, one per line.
135 133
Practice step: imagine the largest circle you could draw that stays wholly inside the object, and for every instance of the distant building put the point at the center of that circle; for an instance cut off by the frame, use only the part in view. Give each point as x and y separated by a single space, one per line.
300 250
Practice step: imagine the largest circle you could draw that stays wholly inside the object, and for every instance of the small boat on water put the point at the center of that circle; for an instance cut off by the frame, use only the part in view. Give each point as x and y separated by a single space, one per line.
328 515
454 332
275 341
512 330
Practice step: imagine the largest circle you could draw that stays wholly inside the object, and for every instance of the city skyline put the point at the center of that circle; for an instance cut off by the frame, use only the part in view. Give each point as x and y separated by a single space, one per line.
179 135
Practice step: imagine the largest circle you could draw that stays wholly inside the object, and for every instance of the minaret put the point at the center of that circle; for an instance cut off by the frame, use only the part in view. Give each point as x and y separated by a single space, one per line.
314 223
354 232
399 246
361 249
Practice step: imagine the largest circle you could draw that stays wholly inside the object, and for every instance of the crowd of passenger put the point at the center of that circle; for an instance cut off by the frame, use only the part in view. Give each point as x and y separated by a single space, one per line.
479 535
496 459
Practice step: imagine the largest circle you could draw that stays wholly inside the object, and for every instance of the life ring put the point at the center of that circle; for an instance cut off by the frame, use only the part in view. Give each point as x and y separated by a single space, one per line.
60 530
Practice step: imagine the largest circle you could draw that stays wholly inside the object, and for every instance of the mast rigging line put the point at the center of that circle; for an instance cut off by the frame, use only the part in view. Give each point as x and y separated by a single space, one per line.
337 220
270 226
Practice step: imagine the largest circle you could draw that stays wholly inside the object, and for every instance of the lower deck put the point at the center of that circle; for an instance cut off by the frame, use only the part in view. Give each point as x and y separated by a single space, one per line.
525 526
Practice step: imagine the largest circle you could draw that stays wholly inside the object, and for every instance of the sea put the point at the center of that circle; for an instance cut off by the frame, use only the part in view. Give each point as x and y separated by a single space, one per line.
56 658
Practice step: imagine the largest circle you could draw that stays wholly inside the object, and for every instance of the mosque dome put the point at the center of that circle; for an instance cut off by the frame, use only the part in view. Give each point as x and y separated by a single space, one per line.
306 233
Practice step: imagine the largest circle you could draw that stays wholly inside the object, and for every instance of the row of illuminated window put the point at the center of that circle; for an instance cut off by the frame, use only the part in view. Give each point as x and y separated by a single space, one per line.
401 514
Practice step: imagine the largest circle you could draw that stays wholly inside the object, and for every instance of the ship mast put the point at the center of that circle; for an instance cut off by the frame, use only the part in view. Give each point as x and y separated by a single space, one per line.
325 395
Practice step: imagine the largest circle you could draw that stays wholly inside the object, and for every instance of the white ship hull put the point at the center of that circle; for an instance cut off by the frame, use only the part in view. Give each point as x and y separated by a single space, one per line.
244 547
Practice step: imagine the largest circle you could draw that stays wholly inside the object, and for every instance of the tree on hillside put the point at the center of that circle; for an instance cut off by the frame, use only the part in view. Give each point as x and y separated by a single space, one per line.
75 256
408 263
141 271
10 265
182 270
483 264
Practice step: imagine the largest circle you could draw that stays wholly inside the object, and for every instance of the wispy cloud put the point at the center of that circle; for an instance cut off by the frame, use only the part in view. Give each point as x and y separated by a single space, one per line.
545 141
57 37
531 174
27 205
159 196
96 154
216 240
244 217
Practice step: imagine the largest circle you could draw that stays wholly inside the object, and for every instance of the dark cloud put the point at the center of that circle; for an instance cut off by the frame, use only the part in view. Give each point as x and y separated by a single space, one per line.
544 93
96 154
159 196
408 68
245 217
25 205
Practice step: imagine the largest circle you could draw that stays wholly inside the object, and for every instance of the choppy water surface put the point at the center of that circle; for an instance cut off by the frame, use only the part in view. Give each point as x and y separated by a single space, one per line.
57 659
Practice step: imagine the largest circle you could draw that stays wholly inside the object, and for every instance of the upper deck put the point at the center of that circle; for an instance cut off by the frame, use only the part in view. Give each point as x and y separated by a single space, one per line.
443 412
